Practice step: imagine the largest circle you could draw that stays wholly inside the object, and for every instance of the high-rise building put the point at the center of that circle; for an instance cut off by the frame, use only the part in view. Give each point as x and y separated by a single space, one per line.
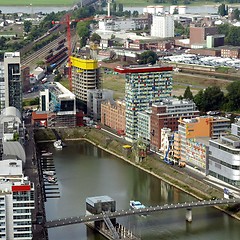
16 201
16 191
12 81
162 26
85 76
144 85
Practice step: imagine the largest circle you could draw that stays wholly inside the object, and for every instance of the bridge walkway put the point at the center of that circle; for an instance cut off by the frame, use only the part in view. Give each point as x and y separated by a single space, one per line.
147 210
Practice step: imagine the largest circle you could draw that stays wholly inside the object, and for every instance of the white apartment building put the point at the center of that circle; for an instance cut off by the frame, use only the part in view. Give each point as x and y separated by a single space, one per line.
224 157
16 201
162 26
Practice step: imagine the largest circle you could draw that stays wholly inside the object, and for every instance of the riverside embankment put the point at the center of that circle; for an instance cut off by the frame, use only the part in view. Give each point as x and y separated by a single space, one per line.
152 164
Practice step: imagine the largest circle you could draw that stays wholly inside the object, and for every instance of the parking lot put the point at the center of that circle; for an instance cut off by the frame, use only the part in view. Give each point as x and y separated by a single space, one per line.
203 60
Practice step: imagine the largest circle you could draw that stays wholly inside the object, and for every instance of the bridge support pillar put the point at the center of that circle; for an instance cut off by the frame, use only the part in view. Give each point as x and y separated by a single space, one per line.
189 215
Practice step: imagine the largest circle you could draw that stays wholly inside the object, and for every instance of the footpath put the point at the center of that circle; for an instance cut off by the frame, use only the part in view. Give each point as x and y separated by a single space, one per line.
195 184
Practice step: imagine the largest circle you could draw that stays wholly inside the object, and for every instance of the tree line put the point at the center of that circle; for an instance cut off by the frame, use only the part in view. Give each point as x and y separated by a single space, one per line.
213 98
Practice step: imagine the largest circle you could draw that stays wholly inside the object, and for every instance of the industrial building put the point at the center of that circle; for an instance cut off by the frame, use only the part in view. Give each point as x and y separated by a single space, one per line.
11 90
60 104
144 86
94 100
85 76
198 35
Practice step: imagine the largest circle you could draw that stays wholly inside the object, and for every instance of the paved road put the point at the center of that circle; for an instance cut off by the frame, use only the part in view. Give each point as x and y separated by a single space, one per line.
31 170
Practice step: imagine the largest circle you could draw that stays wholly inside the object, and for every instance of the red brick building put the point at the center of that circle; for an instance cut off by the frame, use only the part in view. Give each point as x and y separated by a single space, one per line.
198 34
113 115
166 115
230 52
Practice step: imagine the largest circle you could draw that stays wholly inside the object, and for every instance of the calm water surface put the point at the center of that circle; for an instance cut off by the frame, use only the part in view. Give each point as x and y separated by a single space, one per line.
84 171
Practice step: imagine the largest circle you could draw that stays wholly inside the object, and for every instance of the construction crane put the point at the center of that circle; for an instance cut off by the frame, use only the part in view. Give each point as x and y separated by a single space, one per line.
68 22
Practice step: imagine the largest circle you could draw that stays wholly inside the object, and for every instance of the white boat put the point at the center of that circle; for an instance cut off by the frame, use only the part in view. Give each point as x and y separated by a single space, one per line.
48 173
47 154
51 179
136 205
58 144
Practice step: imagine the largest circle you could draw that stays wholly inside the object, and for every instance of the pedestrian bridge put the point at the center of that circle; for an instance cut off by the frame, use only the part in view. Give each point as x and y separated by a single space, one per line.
147 210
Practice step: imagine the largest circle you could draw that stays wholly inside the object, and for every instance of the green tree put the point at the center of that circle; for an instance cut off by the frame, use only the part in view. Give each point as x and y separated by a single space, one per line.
233 36
120 7
95 38
236 14
199 100
27 25
233 97
212 98
114 7
147 57
188 94
83 32
135 13
222 11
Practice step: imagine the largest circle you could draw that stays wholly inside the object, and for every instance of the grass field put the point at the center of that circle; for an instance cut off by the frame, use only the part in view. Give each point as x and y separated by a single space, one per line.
37 2
180 82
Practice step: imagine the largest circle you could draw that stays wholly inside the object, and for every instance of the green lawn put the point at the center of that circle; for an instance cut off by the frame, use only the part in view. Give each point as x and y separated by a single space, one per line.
37 2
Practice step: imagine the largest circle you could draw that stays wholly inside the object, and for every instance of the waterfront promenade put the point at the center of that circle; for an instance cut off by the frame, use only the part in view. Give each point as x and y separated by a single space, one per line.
31 170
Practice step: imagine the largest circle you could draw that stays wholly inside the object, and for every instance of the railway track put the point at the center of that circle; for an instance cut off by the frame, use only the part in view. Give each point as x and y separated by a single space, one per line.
41 53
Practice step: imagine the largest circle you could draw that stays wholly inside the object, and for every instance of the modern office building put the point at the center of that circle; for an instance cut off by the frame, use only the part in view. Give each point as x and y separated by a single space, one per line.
162 26
166 115
85 76
60 103
144 86
224 157
16 191
113 115
94 100
12 80
12 134
200 127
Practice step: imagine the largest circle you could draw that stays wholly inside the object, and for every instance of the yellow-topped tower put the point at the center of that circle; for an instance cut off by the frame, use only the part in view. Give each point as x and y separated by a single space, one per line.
85 76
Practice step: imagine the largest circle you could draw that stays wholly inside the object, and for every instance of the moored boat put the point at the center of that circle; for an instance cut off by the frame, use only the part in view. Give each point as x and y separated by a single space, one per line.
47 154
51 179
58 144
49 173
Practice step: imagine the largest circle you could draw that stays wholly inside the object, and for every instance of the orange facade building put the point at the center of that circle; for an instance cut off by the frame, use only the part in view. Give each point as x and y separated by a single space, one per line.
204 126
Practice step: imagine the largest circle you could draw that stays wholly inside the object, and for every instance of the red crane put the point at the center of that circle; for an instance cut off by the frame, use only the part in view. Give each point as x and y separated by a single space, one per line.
68 22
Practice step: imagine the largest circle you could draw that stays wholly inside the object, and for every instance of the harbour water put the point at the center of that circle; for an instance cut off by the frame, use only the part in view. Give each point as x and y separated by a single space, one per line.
83 171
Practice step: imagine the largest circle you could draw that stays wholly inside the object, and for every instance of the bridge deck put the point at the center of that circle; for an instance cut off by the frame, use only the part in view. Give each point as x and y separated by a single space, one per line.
147 210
